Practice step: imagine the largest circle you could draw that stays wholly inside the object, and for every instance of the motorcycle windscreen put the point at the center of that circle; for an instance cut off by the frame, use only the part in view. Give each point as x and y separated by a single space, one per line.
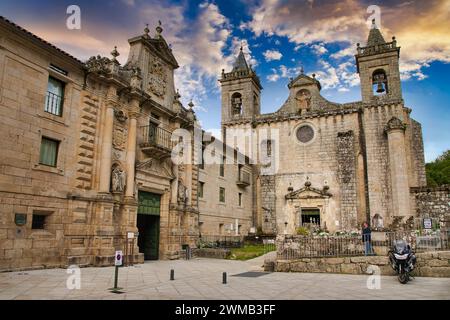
400 246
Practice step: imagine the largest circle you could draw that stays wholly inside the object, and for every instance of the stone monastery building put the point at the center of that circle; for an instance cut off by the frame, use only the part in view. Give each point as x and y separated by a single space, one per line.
86 155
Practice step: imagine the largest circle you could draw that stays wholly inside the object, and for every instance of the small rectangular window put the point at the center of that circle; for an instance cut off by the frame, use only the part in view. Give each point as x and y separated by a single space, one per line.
222 194
222 168
49 152
240 199
55 96
38 221
200 189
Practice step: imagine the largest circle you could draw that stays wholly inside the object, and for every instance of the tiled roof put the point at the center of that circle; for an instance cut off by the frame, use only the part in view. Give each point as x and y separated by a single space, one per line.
28 33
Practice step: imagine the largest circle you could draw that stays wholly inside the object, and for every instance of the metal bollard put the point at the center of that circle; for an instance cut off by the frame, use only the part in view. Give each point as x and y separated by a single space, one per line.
224 278
172 274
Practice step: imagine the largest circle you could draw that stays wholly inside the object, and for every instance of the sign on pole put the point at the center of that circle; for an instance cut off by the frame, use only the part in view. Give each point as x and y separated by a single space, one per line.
119 258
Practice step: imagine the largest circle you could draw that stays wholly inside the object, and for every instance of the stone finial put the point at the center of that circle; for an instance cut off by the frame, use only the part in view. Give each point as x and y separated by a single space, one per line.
395 124
146 31
191 105
177 95
307 182
290 188
159 29
394 42
115 53
314 75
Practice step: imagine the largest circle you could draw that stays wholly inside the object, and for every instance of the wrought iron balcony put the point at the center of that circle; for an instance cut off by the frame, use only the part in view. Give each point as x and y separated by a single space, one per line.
53 103
155 141
243 179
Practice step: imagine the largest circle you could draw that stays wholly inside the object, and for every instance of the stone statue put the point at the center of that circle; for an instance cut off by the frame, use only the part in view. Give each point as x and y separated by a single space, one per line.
118 180
304 99
182 192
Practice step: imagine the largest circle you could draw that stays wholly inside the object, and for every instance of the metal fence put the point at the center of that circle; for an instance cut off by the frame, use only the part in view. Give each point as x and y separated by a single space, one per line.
269 245
437 240
297 247
219 241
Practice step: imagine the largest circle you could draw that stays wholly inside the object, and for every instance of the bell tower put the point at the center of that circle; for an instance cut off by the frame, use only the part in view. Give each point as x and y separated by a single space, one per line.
241 90
378 67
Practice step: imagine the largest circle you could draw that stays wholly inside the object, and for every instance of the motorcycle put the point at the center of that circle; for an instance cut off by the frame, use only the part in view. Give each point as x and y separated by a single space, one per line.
402 260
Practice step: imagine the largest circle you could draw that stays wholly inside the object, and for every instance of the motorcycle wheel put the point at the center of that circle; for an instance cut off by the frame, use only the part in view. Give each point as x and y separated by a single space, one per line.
403 278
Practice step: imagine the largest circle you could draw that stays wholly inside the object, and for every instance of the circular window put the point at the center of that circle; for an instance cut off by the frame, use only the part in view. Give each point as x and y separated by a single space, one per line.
305 134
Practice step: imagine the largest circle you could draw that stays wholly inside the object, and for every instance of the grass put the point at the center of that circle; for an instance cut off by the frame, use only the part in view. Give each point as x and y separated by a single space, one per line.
250 251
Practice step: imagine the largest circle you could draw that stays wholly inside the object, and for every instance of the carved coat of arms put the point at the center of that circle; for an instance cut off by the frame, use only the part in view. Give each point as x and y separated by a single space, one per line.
157 79
120 137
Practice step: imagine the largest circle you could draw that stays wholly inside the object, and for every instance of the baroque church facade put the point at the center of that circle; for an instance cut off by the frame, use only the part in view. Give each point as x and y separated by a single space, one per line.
337 165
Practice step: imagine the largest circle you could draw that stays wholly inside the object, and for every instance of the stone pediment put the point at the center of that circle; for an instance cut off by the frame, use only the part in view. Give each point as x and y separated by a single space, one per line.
304 80
158 168
308 192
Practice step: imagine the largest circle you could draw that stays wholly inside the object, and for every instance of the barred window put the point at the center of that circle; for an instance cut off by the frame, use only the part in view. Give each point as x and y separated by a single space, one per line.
55 96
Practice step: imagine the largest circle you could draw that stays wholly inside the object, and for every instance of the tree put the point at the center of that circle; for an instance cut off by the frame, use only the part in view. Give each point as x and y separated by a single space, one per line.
438 171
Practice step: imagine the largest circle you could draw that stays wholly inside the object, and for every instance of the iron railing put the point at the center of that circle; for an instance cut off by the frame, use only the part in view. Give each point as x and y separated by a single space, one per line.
292 247
298 247
53 103
156 136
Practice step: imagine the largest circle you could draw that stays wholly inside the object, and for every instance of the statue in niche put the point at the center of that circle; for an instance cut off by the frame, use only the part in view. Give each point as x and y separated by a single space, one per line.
118 179
303 98
182 192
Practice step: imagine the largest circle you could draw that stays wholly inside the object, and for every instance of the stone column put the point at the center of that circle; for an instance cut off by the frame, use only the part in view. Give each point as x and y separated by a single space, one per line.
395 130
131 149
105 164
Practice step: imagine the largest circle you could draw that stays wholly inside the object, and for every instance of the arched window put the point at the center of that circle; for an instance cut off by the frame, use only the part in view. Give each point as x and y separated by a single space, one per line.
236 104
379 82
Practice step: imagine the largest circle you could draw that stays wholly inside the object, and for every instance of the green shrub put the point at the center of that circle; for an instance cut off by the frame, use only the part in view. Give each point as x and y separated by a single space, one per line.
302 231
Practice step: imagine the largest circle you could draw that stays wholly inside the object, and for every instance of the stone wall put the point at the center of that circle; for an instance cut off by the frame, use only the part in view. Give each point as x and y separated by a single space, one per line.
430 264
268 202
433 203
212 253
346 159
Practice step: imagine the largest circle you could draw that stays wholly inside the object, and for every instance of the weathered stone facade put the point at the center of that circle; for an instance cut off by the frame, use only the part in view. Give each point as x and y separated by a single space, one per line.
335 164
433 203
110 128
231 215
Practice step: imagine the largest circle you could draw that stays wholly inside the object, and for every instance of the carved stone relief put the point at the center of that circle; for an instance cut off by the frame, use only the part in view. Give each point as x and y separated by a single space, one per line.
157 79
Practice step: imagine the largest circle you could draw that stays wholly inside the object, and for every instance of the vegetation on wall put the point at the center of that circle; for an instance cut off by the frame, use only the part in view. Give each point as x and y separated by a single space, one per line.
438 171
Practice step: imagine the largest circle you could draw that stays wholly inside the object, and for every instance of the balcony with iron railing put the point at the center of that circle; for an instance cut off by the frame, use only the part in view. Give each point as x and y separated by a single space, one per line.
243 179
156 141
53 103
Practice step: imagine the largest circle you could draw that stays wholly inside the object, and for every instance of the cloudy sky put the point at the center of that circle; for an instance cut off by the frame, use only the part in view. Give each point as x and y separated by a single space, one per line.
279 37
